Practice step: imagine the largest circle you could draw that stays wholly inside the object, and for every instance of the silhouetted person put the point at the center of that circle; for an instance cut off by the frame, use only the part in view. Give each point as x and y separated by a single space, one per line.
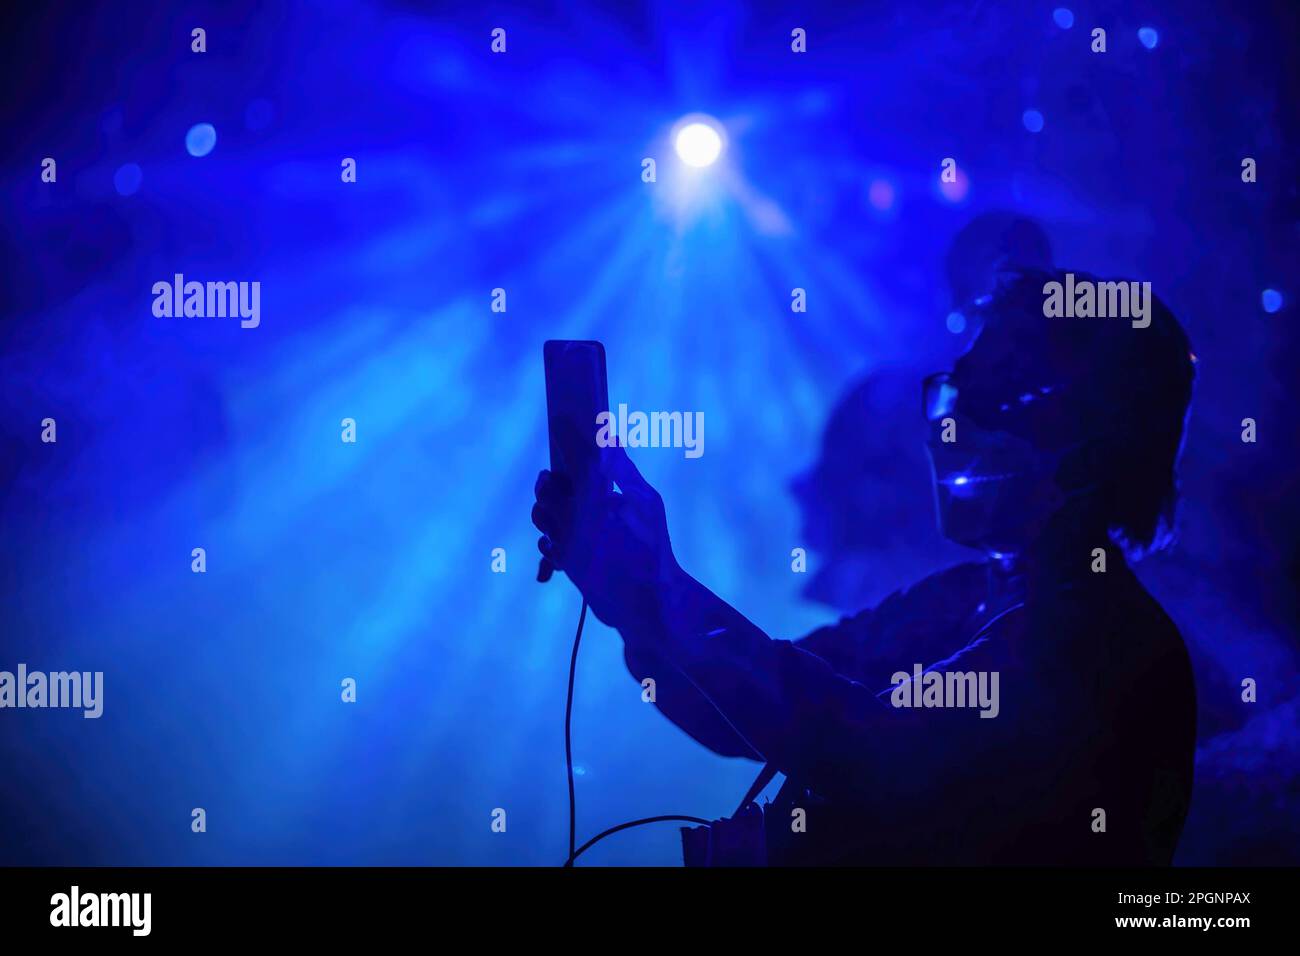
866 505
992 244
1067 434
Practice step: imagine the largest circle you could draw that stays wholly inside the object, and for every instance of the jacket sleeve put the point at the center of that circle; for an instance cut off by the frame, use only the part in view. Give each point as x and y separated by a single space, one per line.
788 705
683 703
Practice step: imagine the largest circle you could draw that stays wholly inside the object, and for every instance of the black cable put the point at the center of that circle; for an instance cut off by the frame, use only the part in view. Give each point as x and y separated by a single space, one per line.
568 735
568 760
623 826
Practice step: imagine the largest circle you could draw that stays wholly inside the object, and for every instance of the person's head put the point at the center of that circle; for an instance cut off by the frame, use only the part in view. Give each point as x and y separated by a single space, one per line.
1044 417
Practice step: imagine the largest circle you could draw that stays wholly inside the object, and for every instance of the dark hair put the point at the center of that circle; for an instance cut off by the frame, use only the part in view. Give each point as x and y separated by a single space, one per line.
1124 398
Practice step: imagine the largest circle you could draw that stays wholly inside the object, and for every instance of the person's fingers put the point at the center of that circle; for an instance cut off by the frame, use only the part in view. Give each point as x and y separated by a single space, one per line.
552 483
543 520
546 566
550 551
616 465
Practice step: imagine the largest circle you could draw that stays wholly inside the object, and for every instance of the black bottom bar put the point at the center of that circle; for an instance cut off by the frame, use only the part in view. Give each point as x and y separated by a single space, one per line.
331 905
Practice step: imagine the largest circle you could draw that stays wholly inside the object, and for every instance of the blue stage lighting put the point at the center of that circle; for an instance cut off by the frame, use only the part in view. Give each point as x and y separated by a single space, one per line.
698 141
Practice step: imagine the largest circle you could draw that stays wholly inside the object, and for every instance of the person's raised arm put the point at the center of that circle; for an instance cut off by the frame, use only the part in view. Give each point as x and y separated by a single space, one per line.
719 677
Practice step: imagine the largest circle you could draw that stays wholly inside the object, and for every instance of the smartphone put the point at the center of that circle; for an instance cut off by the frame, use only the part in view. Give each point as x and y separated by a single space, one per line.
576 393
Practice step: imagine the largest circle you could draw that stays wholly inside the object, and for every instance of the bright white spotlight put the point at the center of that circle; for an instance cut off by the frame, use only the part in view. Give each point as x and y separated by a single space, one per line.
698 143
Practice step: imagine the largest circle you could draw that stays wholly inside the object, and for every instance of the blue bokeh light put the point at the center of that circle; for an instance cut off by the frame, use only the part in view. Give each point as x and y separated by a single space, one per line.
956 323
127 179
1149 37
1271 299
1064 18
200 140
1033 121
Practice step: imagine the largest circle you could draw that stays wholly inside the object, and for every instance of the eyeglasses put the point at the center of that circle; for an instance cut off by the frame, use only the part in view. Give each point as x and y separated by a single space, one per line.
939 399
938 396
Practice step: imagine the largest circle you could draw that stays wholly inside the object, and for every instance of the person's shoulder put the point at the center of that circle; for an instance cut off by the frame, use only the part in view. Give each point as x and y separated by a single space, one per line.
1124 610
1112 620
967 578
